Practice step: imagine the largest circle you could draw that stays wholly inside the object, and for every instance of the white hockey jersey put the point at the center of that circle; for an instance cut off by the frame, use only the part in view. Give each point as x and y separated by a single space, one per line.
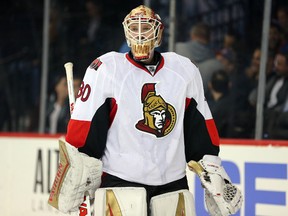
144 126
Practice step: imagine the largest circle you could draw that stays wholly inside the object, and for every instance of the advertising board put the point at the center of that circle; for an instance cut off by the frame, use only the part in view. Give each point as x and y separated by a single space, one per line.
29 164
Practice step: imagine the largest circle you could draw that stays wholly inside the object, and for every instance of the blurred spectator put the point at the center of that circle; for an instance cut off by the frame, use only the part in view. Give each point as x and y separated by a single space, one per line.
252 71
277 87
57 44
276 38
198 50
282 18
243 81
227 57
230 40
219 101
276 93
234 44
240 112
244 90
96 36
252 74
277 126
58 113
94 11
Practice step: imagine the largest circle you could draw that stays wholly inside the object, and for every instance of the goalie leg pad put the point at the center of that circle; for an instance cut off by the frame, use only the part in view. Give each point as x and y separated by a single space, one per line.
179 203
120 201
77 175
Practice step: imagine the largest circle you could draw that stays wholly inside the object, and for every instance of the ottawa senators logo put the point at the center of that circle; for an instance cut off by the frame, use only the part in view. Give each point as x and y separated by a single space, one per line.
159 116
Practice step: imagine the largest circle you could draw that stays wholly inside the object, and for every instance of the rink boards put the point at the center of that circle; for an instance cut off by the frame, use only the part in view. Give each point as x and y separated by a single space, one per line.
29 163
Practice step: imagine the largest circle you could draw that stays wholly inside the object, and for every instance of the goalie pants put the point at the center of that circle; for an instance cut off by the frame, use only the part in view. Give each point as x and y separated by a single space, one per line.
113 181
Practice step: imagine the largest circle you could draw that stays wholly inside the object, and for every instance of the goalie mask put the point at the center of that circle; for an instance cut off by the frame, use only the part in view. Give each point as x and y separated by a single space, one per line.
143 31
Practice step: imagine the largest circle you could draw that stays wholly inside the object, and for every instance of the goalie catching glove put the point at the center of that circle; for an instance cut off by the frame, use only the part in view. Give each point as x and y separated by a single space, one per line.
221 196
77 175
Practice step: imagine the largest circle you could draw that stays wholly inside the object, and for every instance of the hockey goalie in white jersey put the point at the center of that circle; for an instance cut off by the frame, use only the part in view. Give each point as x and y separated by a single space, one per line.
139 119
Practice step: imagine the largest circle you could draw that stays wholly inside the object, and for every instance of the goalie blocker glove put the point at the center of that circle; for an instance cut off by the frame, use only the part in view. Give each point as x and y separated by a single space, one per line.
221 196
77 175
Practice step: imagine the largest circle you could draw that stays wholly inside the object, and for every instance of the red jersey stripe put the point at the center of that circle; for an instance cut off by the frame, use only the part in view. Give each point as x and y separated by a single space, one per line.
213 132
77 132
113 111
187 102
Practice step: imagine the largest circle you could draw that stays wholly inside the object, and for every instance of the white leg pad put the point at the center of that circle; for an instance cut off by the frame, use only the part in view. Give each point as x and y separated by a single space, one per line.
176 203
77 175
120 201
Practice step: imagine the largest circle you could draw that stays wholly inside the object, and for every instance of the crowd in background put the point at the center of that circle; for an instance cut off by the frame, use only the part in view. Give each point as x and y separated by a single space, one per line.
226 51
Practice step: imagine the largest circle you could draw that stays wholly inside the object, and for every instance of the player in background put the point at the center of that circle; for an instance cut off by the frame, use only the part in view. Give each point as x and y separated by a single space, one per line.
139 118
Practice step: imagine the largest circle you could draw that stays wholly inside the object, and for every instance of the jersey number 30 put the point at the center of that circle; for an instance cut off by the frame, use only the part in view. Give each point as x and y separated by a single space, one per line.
84 92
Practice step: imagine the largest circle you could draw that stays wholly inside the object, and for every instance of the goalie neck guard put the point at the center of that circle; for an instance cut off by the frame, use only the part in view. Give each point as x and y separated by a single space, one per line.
143 31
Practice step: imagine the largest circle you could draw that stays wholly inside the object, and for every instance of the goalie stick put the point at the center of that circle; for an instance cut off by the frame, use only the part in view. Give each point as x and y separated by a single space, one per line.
69 76
195 167
84 209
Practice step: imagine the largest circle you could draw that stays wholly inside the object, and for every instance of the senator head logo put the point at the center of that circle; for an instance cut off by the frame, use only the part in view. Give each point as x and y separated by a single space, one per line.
159 117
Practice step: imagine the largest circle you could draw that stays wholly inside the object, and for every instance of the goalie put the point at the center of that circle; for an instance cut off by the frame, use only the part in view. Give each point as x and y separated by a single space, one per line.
139 118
